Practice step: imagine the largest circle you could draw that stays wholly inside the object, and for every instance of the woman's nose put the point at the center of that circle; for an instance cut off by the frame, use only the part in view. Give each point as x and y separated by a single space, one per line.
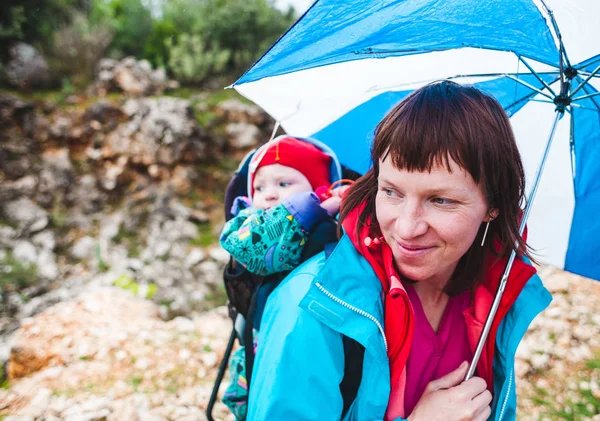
411 221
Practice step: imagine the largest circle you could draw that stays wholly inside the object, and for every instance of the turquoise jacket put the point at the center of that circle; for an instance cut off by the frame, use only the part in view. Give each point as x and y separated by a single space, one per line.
299 363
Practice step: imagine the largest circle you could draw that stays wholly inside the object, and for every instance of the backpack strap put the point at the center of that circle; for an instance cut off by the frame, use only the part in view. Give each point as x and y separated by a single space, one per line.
354 354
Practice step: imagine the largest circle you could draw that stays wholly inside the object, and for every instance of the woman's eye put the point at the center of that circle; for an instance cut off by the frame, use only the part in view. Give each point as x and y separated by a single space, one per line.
441 201
389 193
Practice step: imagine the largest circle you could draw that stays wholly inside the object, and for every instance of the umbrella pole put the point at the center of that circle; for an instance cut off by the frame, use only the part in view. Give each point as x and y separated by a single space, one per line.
502 286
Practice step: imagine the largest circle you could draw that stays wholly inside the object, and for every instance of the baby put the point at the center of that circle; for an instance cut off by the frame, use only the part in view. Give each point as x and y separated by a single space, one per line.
287 181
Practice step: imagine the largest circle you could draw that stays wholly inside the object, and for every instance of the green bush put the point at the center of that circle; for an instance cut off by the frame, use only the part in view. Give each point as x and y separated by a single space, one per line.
34 21
130 21
156 50
192 59
245 27
78 47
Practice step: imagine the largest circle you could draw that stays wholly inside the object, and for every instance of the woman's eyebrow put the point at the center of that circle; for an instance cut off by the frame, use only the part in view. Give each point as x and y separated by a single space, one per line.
444 190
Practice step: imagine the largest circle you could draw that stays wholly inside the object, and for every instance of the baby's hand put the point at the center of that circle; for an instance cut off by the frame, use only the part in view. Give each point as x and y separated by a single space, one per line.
332 205
339 191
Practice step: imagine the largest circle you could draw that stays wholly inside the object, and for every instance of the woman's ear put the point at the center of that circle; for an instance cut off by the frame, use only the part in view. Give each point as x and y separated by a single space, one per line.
491 215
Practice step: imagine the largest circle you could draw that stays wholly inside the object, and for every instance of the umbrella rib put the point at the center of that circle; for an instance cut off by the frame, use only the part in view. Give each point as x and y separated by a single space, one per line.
585 81
533 88
580 65
522 60
563 51
528 97
545 101
498 74
591 97
593 94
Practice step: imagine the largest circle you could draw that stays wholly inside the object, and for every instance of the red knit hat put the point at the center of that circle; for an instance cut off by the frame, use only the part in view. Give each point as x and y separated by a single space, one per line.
303 156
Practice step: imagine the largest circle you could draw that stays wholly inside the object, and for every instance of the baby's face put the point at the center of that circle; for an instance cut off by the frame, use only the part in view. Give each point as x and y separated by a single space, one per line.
274 183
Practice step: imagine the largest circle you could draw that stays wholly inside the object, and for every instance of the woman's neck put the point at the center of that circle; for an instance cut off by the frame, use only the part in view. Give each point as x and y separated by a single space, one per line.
433 300
430 293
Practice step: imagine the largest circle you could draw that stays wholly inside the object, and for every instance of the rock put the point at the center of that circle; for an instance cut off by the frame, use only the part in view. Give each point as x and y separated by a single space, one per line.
159 131
84 248
103 112
23 187
195 256
146 416
25 360
219 254
19 418
61 127
27 214
522 368
161 248
7 236
26 68
243 135
113 172
37 406
87 196
181 179
131 76
45 240
46 263
210 272
540 361
101 415
235 110
133 81
555 282
25 251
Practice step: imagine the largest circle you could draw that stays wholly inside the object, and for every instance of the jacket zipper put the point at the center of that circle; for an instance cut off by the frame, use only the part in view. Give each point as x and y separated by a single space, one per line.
356 310
510 379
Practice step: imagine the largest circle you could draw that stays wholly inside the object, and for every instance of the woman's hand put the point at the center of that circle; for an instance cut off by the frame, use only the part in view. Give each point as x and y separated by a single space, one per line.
449 398
332 204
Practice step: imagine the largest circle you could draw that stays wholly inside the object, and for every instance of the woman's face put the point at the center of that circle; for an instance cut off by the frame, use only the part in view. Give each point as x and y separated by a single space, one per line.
429 219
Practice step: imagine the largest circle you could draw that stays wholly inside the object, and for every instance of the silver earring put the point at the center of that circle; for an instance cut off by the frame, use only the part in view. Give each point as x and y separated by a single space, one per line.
485 233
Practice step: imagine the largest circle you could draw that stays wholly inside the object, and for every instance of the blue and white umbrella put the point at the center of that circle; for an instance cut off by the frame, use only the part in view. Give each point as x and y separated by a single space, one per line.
345 63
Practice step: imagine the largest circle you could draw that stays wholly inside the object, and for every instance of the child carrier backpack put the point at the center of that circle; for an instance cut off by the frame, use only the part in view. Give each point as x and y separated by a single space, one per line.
247 294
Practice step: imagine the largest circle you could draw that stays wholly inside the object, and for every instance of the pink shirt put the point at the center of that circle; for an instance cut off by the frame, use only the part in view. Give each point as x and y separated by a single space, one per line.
433 355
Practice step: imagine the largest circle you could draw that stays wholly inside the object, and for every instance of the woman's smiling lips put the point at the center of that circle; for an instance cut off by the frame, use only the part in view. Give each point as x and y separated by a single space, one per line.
413 250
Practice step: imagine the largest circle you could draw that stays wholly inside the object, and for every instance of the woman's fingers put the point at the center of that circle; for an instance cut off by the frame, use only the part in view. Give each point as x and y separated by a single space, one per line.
480 405
483 414
449 380
473 387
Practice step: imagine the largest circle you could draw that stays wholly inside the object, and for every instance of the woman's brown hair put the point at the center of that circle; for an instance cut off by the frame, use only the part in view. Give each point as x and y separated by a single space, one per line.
446 121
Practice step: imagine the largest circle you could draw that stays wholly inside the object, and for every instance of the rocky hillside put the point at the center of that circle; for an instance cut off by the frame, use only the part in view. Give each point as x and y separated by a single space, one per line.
122 192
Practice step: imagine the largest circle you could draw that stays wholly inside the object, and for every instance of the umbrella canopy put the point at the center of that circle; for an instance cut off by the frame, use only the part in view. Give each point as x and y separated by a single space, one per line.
346 63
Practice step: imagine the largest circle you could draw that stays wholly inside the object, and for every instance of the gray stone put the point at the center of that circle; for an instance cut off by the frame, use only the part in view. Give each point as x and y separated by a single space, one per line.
26 68
37 406
25 251
83 248
45 240
27 214
219 254
243 135
47 267
195 256
7 236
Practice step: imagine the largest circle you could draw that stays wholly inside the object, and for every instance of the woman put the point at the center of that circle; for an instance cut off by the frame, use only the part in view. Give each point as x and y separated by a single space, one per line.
427 233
